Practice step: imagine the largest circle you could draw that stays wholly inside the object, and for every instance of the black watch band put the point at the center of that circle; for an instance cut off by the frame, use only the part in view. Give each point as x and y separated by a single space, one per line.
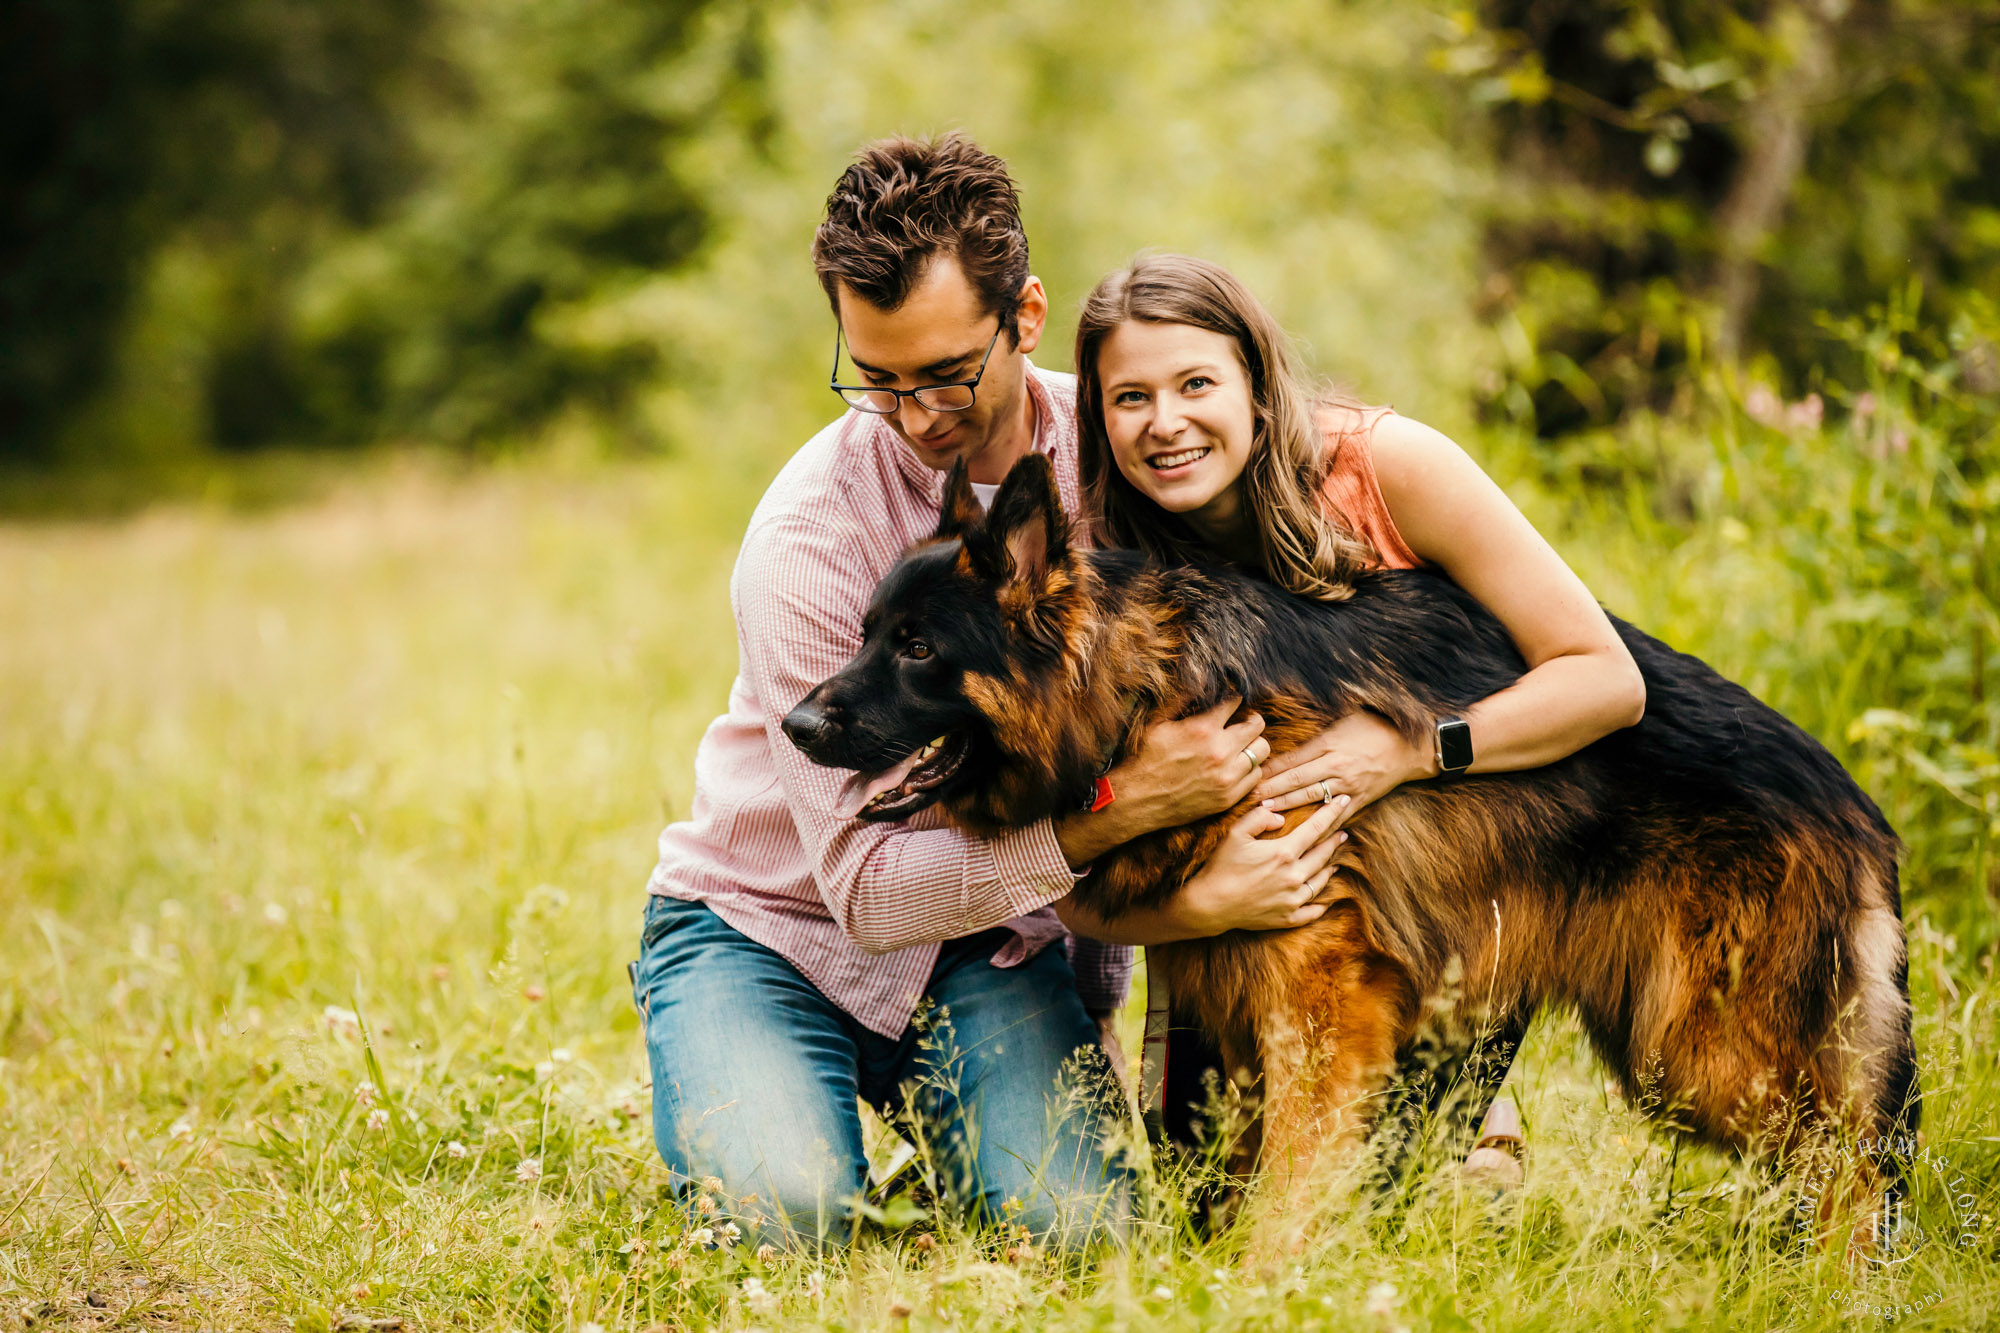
1454 747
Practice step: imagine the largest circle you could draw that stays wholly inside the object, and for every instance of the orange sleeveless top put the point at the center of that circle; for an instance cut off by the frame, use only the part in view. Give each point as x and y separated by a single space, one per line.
1352 493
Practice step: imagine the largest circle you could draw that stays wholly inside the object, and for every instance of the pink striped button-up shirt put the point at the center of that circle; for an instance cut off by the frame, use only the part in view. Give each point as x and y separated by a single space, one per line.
858 908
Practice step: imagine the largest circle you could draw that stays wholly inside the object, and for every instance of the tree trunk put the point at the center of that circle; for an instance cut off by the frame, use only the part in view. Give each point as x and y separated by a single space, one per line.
1780 132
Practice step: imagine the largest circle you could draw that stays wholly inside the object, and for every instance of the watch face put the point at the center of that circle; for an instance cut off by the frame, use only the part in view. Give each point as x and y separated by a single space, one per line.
1454 746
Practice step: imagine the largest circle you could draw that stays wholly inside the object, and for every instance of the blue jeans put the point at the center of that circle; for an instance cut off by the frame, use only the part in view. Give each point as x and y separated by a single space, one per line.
1000 1084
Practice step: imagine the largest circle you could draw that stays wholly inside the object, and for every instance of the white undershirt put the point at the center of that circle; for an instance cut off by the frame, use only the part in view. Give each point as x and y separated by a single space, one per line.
983 492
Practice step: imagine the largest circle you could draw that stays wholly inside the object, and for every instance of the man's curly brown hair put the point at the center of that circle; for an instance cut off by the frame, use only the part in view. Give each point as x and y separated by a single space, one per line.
904 202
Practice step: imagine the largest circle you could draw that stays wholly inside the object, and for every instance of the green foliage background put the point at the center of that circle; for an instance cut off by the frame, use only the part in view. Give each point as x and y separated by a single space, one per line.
237 225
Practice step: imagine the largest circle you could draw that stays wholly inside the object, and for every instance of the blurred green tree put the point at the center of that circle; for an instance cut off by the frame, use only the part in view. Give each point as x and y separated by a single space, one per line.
252 126
557 183
244 222
1678 168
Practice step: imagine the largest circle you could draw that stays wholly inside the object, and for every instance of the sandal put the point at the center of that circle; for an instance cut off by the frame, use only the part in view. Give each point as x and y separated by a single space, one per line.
1495 1160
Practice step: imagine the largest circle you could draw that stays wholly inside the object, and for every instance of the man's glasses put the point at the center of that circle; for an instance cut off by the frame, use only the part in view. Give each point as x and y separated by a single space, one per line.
953 397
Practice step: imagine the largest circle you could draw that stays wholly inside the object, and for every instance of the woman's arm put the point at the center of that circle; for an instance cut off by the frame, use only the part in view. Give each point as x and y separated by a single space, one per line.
1581 685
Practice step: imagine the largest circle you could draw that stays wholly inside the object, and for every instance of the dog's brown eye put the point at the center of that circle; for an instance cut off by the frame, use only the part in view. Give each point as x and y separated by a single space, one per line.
918 649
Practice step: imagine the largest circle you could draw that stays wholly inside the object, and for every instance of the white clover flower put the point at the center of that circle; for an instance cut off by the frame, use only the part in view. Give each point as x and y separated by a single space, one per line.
378 1119
545 1069
276 914
704 1204
816 1284
730 1232
762 1303
455 1150
561 1055
365 1094
337 1019
1162 1293
712 1184
528 1170
1381 1299
703 1236
592 1327
180 1129
636 1247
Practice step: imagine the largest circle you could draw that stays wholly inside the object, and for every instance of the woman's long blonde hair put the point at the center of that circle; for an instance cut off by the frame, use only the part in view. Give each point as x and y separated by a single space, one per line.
1306 549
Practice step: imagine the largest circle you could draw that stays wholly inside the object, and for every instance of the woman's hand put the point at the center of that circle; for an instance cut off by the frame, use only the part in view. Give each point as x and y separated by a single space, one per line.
1361 757
1256 883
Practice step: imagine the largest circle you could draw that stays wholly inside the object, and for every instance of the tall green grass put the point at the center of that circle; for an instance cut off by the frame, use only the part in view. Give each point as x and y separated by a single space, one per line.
363 792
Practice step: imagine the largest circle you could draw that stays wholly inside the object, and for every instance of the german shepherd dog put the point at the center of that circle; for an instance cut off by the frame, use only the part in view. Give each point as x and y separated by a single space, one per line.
1709 890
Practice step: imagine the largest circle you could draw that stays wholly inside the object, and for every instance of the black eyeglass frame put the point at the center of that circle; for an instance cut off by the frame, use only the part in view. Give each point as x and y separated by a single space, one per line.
971 385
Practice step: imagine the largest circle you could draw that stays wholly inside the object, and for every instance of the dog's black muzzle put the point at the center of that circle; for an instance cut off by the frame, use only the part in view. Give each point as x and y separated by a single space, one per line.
810 727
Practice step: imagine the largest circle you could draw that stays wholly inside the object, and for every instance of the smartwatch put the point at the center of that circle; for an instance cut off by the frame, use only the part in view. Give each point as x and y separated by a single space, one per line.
1454 747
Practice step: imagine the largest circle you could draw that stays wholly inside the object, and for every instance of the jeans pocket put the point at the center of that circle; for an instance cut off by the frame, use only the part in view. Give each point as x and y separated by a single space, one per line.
661 914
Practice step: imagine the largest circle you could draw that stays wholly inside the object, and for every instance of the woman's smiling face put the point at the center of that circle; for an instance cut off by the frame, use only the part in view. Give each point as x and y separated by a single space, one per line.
1178 414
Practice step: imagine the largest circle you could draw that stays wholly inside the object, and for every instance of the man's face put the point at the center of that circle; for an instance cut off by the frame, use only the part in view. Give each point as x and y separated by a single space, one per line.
938 336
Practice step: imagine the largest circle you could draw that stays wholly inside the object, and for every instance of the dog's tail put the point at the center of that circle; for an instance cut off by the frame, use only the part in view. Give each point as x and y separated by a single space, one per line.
1871 1064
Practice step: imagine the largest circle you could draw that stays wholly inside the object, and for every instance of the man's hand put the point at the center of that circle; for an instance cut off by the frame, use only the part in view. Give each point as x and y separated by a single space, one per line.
1181 772
1361 757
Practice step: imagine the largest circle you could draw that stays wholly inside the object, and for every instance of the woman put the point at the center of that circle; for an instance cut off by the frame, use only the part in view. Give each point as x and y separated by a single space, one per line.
1202 438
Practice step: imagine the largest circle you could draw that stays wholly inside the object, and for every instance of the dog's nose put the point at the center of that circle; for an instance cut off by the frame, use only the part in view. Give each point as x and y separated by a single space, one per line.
807 725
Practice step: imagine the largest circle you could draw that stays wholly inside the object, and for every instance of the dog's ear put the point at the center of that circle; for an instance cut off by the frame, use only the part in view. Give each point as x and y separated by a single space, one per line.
961 512
1027 534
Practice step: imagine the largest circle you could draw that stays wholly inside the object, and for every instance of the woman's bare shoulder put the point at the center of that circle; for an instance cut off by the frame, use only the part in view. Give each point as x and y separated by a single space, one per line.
1342 418
1407 451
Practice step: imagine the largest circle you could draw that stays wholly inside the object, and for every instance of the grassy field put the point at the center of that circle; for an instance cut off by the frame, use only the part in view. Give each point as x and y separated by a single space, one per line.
323 836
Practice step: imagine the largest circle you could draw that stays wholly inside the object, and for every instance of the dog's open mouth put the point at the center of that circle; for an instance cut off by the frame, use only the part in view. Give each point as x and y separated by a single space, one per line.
904 788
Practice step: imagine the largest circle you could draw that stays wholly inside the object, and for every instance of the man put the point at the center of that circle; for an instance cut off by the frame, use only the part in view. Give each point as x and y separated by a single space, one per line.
793 960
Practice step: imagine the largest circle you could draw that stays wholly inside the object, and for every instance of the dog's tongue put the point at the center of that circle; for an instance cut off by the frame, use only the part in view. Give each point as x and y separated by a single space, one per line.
862 788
